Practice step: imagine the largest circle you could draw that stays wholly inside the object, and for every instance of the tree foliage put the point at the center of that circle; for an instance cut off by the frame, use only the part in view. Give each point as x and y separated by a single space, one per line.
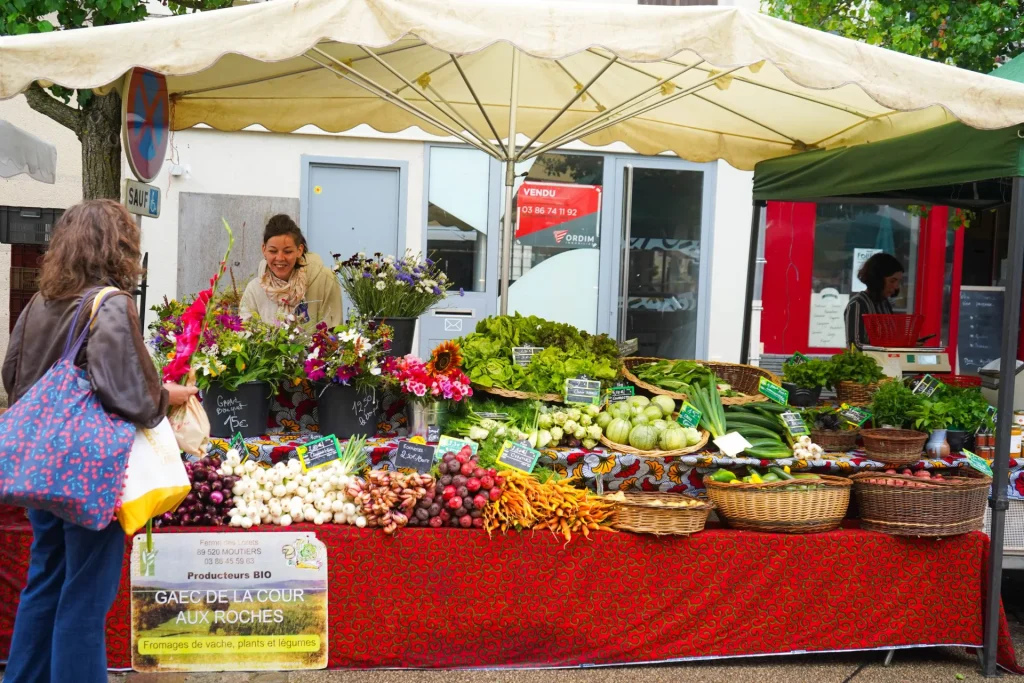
970 34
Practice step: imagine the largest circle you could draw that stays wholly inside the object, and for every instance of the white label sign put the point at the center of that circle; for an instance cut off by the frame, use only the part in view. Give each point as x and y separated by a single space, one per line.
860 257
141 199
827 329
229 602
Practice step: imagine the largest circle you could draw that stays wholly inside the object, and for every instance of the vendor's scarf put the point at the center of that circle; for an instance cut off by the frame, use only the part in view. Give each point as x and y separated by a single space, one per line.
286 294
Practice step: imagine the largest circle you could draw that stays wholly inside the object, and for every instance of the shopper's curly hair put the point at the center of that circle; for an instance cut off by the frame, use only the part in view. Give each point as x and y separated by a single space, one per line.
94 243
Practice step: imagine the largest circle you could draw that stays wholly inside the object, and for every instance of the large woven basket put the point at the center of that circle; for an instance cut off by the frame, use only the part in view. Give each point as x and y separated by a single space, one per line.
835 441
652 513
855 394
781 506
522 395
932 508
893 446
743 378
626 448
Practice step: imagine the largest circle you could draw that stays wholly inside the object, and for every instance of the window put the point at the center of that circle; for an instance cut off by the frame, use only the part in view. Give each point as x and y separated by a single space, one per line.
457 194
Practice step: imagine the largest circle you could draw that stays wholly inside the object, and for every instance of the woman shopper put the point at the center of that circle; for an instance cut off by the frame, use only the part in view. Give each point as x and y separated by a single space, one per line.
291 281
74 572
882 275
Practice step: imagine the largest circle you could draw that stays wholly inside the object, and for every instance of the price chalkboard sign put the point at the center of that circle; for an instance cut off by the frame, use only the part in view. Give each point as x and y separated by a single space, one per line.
493 416
447 444
773 391
414 456
318 453
797 359
688 415
854 415
522 355
981 324
585 391
518 456
629 347
433 433
795 424
619 394
927 385
238 443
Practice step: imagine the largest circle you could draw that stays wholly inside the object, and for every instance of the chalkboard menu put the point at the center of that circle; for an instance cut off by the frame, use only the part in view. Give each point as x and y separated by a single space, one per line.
518 456
415 456
318 453
981 325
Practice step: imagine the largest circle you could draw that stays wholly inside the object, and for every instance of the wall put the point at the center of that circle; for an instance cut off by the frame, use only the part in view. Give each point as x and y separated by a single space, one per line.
733 198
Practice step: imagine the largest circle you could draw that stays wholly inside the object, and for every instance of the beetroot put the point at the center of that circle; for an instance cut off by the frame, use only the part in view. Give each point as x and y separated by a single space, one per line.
480 501
446 480
467 469
462 492
435 510
459 480
421 514
479 472
448 493
467 503
454 502
462 457
444 515
473 484
461 512
494 494
436 522
478 523
476 513
466 522
487 482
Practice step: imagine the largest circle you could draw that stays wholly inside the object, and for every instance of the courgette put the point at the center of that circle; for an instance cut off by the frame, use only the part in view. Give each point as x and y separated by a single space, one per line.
771 407
780 473
748 431
758 420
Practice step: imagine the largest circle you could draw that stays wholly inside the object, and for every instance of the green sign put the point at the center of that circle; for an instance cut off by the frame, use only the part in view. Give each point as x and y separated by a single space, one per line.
795 424
583 391
518 456
977 462
238 443
854 415
688 415
797 359
773 391
927 385
318 453
448 444
619 394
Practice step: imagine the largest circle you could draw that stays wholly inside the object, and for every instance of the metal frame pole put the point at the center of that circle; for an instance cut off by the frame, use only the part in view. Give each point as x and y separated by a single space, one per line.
510 181
748 299
1007 374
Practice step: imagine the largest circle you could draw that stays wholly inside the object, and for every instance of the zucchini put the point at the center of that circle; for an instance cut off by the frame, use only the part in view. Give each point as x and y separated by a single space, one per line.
770 407
769 453
780 473
749 433
757 421
761 442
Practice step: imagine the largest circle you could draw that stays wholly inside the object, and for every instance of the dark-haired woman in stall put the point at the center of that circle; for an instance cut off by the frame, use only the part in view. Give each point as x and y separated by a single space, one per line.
882 275
291 280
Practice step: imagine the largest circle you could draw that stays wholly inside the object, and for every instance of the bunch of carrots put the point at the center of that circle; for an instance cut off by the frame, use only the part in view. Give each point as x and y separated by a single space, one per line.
557 506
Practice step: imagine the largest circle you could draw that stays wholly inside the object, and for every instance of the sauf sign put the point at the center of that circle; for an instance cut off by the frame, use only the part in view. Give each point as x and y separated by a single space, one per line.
142 199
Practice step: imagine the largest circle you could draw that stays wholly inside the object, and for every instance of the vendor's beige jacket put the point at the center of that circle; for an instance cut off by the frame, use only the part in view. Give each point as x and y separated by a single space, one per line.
323 295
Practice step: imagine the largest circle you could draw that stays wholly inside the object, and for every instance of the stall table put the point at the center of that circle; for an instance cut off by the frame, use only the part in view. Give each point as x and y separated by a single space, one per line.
447 598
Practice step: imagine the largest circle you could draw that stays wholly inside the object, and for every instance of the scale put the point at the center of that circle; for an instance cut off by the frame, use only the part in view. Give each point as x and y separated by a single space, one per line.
900 362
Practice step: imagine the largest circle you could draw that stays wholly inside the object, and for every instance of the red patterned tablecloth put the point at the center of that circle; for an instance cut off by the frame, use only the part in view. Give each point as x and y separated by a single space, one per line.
451 598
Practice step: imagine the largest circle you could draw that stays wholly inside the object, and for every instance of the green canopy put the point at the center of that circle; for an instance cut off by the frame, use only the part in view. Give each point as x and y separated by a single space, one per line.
953 164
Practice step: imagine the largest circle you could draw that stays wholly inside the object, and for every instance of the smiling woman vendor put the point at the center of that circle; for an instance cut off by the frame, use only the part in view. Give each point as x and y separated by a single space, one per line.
290 280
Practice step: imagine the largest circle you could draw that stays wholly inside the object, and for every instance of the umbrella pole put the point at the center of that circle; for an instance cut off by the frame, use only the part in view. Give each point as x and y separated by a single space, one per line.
1007 373
510 181
748 301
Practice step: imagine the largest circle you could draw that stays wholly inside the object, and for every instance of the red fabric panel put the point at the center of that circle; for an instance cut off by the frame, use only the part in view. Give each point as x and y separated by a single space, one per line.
789 267
451 598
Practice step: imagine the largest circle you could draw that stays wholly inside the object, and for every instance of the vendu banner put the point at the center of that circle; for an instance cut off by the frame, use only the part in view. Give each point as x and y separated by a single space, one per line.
229 602
558 215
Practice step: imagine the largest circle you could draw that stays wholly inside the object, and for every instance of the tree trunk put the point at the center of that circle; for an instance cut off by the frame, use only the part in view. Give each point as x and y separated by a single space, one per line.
100 136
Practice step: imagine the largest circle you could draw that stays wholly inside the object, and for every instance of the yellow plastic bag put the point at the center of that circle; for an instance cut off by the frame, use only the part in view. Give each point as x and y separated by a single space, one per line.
155 481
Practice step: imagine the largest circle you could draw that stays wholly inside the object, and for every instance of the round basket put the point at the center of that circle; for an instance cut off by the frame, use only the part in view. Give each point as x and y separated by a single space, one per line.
835 441
932 508
743 378
626 448
798 506
893 446
522 395
655 513
855 394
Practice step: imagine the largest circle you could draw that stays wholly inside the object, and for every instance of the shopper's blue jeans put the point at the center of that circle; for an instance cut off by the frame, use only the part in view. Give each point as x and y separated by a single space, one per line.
72 582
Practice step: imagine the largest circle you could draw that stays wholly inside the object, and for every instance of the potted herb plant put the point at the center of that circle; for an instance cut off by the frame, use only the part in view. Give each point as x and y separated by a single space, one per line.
396 291
345 366
892 404
239 366
968 413
855 376
428 387
932 415
804 381
829 430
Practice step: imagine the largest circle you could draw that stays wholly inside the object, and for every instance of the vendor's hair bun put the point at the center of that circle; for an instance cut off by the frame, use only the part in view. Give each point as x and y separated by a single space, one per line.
282 224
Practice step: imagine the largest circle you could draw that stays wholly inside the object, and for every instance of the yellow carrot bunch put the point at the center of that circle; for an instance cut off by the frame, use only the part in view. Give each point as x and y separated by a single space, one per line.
557 506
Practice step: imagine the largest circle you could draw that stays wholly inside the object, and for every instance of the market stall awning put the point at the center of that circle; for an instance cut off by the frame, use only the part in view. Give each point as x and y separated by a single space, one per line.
952 164
22 152
702 82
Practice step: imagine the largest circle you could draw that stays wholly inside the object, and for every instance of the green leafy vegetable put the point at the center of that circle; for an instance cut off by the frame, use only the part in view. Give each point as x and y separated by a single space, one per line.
854 366
810 374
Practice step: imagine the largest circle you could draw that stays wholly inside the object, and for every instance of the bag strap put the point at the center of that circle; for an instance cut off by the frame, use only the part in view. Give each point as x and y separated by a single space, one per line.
72 346
99 300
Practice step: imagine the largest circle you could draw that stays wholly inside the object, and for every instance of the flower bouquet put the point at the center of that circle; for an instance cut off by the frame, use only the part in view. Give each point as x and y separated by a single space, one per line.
395 290
427 387
345 365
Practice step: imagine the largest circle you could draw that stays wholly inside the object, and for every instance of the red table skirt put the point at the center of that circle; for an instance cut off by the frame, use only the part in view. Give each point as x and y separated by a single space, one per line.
450 598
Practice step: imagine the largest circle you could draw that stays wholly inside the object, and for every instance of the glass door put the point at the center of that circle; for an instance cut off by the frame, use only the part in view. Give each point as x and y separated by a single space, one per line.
663 259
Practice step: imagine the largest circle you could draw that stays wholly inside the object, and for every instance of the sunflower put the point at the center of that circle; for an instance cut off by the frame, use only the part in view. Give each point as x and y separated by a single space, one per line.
445 359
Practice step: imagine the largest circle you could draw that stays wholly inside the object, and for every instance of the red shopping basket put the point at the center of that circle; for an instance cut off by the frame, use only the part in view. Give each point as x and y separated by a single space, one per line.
893 329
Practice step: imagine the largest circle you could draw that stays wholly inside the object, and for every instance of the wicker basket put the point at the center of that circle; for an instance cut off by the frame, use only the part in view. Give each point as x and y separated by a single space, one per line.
522 395
855 394
626 448
893 446
941 508
778 507
835 441
743 378
641 513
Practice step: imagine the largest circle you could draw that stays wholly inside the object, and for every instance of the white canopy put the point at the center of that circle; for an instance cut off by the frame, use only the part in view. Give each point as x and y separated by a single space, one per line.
702 82
22 152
